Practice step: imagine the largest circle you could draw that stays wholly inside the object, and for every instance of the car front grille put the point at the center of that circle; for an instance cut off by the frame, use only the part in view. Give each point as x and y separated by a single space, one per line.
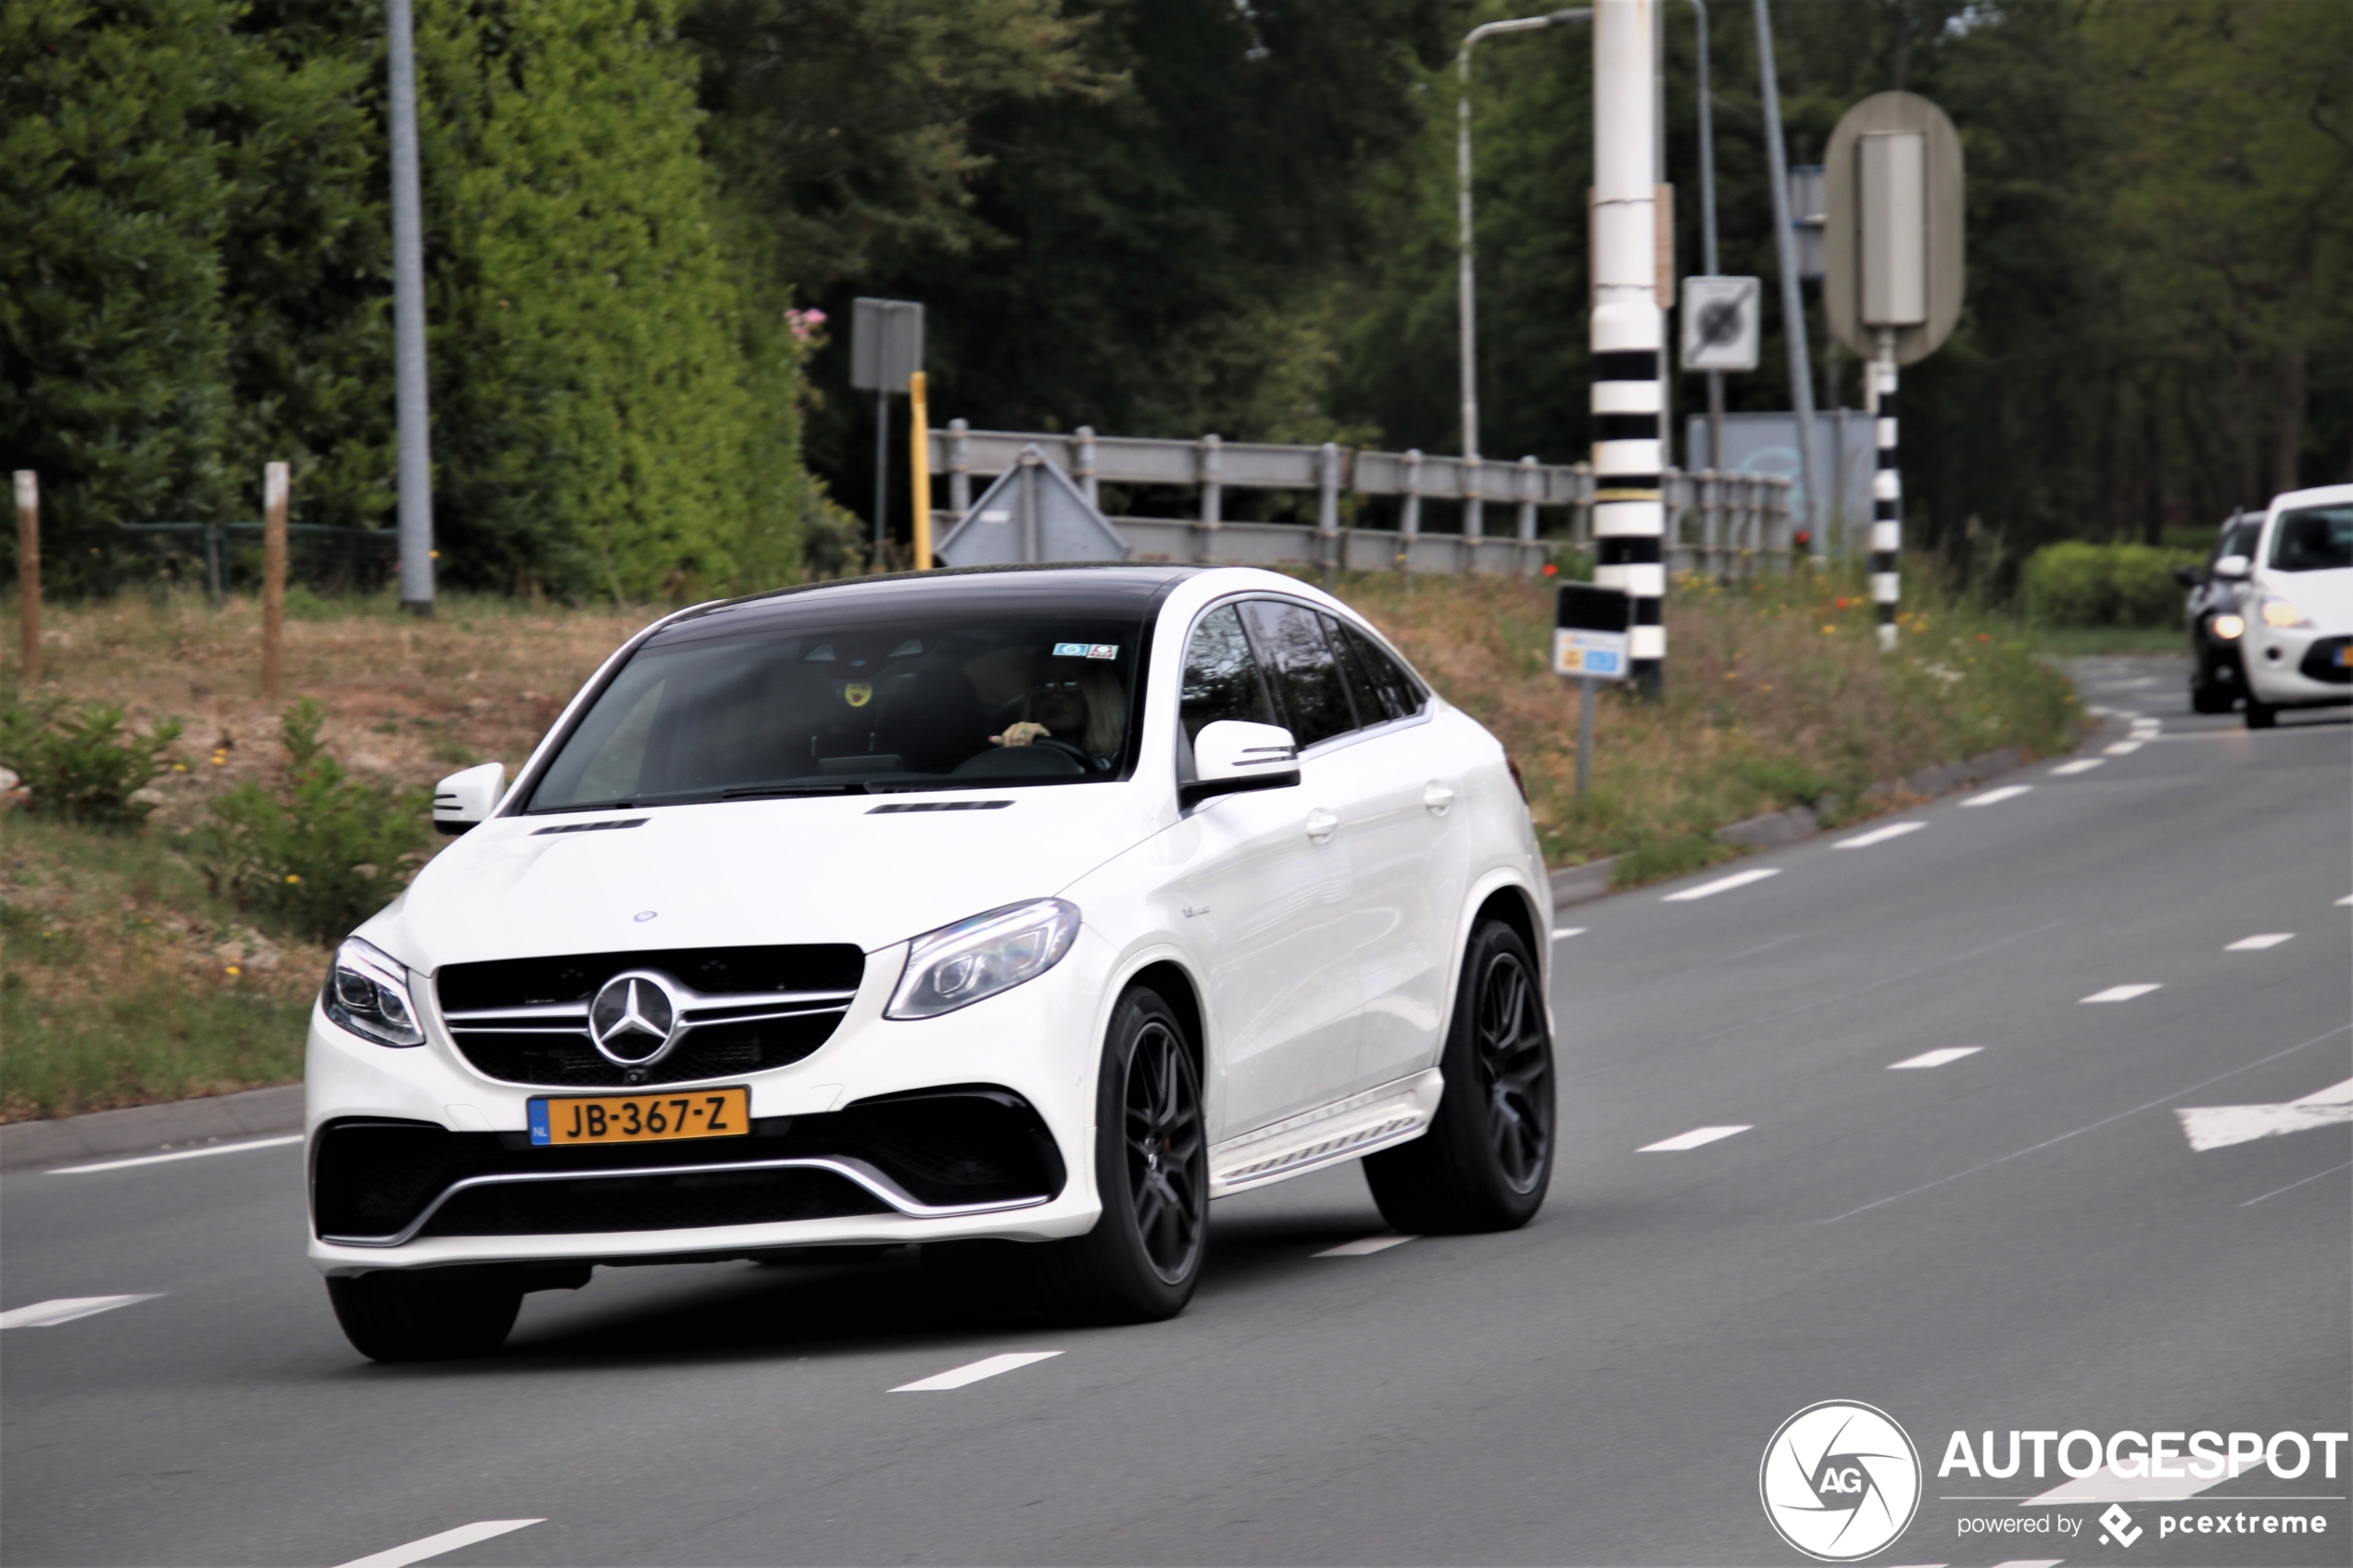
973 1146
745 1009
2324 661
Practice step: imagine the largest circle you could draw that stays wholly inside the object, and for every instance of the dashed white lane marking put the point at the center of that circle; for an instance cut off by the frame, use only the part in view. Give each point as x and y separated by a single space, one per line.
2122 747
1996 797
1721 884
2219 1126
2301 1182
2032 1563
434 1546
1935 1057
2065 770
957 1377
66 1309
177 1154
2257 943
1692 1139
2123 993
1365 1247
2347 900
1564 933
1878 835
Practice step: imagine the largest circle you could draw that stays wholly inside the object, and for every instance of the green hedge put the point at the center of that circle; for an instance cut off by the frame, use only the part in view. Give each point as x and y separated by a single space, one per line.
2080 584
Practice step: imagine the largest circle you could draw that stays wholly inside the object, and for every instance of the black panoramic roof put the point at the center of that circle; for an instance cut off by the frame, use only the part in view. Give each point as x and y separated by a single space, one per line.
1115 589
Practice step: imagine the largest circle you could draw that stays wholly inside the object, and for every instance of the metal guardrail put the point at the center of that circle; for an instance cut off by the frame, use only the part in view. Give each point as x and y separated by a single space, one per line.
1723 524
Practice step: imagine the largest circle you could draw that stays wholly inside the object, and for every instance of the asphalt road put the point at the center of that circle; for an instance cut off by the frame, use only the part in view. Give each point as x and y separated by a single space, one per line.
2021 1237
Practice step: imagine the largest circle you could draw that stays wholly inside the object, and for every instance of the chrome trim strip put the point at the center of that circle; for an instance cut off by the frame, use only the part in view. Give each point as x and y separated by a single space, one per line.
687 997
858 1171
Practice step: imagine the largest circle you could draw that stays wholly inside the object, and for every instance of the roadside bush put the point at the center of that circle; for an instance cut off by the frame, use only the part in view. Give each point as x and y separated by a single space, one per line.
80 765
323 855
2076 583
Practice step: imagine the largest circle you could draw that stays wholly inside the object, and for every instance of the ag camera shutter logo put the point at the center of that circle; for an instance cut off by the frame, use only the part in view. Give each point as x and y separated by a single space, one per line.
1840 1481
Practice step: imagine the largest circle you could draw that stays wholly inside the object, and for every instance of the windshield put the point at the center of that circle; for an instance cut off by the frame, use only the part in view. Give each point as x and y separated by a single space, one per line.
860 694
2239 538
2313 539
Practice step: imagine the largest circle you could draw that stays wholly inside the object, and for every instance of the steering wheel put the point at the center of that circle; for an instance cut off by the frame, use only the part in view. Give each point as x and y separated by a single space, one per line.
1066 748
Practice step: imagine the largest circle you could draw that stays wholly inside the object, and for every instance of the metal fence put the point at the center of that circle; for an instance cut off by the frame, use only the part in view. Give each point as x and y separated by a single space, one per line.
338 557
1727 525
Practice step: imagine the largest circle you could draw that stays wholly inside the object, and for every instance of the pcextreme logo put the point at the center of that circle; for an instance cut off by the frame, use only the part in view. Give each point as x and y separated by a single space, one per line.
1839 1480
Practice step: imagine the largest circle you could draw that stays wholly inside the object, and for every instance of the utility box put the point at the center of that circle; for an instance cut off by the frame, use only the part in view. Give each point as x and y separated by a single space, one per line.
1892 252
886 343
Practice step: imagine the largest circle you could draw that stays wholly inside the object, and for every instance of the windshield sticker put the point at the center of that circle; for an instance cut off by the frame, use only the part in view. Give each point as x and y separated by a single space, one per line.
1086 650
858 693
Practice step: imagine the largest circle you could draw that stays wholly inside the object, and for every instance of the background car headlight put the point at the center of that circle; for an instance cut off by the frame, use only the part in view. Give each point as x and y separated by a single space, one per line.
367 994
958 964
2227 626
2279 612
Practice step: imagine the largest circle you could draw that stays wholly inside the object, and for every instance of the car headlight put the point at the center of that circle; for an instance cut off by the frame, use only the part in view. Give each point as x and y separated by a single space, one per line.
2279 612
959 964
2228 627
367 994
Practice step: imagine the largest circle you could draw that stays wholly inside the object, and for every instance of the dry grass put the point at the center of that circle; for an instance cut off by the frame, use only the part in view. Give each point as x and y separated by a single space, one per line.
126 981
1776 696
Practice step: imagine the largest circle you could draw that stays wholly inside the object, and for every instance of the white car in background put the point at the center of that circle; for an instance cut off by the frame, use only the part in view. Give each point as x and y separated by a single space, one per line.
2297 604
1030 905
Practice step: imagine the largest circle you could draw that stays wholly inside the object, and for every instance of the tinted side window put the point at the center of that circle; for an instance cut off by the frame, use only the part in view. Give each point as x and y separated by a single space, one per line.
1356 673
1400 693
1221 678
1291 638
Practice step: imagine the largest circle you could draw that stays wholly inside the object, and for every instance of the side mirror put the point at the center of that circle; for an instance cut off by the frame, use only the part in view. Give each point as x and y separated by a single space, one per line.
2188 576
463 799
2236 568
1232 757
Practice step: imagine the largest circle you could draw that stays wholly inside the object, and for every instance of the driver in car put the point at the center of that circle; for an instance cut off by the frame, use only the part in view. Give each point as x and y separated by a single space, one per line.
1086 712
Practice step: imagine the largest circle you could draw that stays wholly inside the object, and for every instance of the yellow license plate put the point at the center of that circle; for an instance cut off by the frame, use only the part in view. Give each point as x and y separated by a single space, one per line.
698 1113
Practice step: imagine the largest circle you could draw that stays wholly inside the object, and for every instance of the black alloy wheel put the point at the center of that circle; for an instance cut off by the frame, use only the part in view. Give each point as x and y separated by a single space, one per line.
1486 1158
1143 1258
1512 1059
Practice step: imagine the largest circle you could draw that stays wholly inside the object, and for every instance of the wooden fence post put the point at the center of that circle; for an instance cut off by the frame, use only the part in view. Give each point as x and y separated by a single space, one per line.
28 571
273 580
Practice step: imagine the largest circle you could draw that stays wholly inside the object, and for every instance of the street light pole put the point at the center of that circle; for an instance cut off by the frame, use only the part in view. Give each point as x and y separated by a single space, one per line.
409 321
1707 228
1473 523
1801 365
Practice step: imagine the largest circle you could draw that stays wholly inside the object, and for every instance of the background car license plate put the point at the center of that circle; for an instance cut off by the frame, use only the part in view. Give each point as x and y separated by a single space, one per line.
703 1114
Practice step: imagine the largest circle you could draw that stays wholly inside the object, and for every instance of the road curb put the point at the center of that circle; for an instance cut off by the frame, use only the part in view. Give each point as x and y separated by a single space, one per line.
141 1129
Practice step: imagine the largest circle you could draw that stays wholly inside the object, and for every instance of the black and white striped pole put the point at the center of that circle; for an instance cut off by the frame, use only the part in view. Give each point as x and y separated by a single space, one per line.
1887 492
1630 523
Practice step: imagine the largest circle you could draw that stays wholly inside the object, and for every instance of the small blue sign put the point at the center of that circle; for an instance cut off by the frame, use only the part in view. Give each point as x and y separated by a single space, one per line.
539 1133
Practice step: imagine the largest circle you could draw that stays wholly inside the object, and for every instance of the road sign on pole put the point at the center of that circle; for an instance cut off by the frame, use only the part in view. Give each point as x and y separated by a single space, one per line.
1592 629
1892 279
886 349
1892 251
1722 325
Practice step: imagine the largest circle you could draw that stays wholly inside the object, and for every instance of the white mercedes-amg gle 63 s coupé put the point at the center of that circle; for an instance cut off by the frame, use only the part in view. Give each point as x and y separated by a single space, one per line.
1033 905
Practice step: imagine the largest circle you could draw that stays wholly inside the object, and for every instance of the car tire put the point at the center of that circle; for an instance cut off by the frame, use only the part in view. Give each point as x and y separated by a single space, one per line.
426 1314
1143 1259
2261 715
2210 696
1486 1158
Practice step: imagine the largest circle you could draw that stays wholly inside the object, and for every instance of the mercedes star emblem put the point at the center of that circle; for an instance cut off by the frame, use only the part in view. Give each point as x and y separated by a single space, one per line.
634 1020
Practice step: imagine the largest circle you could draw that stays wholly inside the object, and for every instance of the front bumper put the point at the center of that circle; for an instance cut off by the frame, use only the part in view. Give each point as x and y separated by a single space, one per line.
2296 667
979 1124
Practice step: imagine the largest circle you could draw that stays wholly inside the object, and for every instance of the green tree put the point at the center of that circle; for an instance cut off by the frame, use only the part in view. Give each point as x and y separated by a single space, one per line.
596 425
113 336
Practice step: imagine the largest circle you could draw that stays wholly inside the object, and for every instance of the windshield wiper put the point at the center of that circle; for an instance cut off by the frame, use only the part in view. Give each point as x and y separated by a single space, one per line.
753 792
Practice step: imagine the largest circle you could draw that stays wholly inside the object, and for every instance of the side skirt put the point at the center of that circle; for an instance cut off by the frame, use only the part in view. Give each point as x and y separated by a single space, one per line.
1395 1112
